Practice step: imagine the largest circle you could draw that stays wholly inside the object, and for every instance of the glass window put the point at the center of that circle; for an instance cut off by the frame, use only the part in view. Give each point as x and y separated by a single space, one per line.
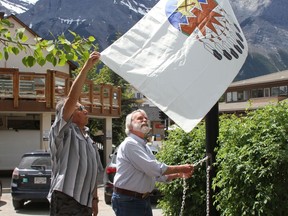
275 91
256 93
229 97
283 90
35 162
240 96
234 96
280 90
267 92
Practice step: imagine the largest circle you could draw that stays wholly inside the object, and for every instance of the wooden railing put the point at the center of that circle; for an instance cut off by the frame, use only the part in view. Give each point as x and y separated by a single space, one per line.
30 90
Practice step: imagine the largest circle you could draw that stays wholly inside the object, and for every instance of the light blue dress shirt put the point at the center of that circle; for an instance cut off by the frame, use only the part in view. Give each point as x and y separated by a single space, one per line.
137 167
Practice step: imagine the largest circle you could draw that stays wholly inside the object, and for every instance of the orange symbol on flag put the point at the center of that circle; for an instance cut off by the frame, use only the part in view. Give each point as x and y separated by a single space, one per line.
207 22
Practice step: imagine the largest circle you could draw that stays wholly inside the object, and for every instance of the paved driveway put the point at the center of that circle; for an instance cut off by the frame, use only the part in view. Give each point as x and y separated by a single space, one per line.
6 207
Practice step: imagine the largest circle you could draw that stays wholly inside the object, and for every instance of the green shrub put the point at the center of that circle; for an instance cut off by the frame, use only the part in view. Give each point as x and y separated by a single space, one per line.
251 162
181 148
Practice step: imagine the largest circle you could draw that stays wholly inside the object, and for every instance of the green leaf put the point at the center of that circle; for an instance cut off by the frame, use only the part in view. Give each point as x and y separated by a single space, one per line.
6 22
31 61
50 48
49 57
15 50
41 61
70 56
62 62
24 61
6 55
73 33
67 48
24 38
91 39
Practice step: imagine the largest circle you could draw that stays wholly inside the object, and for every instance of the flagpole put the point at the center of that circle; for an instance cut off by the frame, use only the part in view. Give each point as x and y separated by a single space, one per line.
212 132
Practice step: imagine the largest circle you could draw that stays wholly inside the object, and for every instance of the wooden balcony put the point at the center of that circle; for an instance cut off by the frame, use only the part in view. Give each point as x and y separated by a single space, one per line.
39 92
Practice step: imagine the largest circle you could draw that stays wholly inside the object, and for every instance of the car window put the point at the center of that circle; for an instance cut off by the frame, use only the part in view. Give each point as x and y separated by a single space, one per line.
35 162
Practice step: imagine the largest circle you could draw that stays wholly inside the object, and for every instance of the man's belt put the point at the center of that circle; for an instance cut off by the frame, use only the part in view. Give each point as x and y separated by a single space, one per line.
131 193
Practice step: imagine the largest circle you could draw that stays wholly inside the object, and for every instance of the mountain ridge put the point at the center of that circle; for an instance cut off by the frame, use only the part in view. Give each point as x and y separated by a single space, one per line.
262 21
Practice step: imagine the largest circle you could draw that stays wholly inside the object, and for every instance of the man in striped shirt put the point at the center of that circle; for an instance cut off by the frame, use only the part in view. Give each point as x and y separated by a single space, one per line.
75 157
138 169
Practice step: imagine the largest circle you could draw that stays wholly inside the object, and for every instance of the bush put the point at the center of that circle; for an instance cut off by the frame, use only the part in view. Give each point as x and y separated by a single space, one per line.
181 148
251 162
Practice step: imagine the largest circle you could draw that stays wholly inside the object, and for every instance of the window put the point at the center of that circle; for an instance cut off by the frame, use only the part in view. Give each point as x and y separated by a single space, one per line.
283 90
256 93
267 92
237 96
139 95
279 90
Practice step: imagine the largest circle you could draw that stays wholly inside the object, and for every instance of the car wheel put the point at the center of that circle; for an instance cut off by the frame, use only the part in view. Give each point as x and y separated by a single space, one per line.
0 191
18 204
107 199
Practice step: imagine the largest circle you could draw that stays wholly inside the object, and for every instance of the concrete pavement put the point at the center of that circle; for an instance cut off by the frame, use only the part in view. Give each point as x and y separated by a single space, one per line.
6 207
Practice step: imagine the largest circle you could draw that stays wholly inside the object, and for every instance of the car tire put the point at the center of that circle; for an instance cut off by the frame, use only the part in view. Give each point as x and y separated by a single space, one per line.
107 199
18 204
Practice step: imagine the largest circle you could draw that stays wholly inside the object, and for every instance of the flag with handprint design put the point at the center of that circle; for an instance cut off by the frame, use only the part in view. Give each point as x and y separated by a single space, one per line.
182 55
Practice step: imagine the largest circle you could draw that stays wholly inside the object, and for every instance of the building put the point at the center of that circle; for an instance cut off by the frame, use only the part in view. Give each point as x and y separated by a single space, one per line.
28 97
240 96
254 93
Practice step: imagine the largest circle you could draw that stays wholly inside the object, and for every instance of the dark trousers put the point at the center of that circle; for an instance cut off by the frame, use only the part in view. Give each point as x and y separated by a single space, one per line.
124 205
64 205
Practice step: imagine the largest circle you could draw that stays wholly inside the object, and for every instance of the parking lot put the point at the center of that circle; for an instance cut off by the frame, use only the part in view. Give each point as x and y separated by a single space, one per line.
6 207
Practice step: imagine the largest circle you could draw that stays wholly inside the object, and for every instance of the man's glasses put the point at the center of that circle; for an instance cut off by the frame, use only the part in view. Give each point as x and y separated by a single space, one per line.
81 108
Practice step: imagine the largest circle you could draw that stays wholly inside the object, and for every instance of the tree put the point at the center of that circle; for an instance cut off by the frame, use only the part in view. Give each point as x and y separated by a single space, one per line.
106 75
59 50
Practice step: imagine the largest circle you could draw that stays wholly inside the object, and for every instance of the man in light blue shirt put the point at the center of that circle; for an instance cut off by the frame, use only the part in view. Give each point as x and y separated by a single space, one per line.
138 170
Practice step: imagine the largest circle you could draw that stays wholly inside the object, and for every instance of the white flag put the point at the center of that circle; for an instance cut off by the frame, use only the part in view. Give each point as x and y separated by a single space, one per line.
182 56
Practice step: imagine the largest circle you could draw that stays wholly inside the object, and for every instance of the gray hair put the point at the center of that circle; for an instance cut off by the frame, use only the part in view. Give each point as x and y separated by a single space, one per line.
129 119
60 104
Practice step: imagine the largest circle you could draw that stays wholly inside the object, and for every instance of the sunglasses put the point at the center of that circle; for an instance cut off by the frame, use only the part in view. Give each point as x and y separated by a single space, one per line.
81 108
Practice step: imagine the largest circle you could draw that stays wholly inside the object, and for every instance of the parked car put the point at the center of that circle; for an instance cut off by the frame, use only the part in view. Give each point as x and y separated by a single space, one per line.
109 174
0 189
31 178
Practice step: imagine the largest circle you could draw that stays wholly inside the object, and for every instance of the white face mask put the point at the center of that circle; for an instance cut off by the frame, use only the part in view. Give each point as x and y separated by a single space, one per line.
143 129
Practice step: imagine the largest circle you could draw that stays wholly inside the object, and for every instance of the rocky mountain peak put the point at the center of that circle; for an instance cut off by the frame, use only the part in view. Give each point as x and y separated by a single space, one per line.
263 22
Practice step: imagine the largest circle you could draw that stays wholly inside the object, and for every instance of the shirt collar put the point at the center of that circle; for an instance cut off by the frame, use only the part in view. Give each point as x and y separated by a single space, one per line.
138 139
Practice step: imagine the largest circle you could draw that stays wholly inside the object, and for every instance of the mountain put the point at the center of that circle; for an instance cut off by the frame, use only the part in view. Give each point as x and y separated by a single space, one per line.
16 6
103 19
264 24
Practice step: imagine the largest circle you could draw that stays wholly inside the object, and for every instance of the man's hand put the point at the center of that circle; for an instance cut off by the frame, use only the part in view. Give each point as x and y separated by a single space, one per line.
93 59
95 207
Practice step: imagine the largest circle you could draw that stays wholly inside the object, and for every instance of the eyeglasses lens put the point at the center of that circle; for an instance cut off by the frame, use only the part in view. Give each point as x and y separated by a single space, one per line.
81 108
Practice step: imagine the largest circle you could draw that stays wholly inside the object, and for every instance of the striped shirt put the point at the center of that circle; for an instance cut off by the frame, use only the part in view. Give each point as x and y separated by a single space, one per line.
75 160
137 167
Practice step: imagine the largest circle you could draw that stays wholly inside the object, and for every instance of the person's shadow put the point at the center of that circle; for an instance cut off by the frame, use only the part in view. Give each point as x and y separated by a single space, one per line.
2 203
35 208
